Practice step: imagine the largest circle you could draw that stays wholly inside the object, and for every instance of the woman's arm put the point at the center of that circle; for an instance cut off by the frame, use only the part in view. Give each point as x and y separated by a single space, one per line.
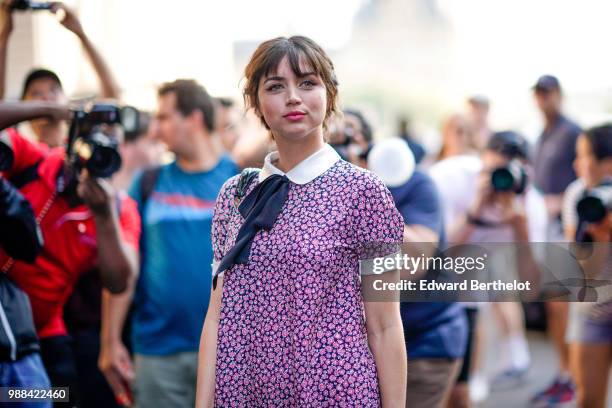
207 357
386 340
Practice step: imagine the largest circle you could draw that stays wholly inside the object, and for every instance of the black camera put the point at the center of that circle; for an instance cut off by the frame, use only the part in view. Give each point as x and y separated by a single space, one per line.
23 5
595 204
92 142
509 178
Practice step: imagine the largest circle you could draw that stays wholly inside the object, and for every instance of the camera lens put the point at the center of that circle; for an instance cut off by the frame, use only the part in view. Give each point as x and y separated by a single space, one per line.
591 209
502 180
104 161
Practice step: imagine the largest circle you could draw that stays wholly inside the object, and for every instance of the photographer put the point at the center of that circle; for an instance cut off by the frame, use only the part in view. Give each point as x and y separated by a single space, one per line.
45 85
589 332
84 225
553 172
85 314
479 211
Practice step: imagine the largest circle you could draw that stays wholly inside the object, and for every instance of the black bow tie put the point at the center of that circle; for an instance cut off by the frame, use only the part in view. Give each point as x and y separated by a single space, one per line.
260 209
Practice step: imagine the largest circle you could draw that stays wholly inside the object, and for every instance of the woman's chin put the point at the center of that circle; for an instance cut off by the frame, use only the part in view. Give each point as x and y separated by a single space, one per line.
297 132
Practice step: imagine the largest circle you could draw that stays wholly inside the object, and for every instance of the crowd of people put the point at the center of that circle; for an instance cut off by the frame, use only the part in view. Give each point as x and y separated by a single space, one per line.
218 265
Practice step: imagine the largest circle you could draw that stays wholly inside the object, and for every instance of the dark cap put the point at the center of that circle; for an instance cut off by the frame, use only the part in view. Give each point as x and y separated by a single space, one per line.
39 73
547 83
510 144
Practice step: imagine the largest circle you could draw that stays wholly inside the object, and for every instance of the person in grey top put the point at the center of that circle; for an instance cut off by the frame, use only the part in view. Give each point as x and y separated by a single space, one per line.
553 172
555 150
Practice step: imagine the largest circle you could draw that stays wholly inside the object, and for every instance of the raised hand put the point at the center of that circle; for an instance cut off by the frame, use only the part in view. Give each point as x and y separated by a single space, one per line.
68 18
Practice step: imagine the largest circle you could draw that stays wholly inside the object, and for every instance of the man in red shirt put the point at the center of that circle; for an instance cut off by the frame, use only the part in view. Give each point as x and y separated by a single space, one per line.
82 230
44 85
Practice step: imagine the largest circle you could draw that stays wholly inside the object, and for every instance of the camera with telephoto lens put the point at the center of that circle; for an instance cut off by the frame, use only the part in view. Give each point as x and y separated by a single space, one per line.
509 178
23 5
93 144
595 204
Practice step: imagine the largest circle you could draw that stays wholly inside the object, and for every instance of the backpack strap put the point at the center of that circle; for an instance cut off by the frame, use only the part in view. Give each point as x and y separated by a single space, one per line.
246 177
147 184
28 175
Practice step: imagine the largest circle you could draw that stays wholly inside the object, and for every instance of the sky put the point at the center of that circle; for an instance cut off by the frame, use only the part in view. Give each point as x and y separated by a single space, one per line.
326 21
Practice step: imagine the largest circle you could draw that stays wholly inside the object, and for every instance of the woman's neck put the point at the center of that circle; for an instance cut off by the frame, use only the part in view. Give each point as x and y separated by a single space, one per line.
293 152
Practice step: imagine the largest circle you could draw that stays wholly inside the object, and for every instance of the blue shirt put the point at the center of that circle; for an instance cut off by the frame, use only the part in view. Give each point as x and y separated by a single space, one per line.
431 329
173 288
417 149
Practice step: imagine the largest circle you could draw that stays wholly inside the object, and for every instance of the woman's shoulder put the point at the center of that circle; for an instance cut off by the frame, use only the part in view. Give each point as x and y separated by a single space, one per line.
240 184
359 178
228 190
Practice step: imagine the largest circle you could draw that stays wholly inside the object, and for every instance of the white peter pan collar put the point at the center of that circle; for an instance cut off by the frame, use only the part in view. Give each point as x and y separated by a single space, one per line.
307 170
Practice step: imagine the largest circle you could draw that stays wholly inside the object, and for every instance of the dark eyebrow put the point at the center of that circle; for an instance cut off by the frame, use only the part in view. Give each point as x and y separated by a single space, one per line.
274 78
279 78
305 74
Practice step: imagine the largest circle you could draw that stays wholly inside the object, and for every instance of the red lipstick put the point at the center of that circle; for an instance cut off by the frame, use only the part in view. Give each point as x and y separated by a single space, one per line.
295 116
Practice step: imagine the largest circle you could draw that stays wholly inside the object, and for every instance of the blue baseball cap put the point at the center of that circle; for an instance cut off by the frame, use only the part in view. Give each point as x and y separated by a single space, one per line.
547 83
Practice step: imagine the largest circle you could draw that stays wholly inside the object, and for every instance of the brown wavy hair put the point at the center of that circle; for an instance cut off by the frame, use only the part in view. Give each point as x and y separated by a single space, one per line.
269 54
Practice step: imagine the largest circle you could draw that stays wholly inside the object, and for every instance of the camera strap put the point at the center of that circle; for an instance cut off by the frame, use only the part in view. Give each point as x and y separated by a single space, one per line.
26 176
41 215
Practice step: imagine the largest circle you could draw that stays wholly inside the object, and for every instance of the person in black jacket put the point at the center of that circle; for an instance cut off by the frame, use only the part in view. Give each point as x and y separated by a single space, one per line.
20 237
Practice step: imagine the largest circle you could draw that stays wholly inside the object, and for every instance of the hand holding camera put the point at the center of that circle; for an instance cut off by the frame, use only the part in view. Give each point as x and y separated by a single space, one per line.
602 230
595 215
66 16
97 194
499 197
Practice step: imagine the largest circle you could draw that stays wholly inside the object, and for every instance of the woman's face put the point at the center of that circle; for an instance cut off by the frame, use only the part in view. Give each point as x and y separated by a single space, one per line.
455 134
293 107
586 165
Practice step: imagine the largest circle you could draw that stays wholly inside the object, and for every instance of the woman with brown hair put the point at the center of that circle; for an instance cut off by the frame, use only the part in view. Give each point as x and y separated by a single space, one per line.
457 138
287 324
